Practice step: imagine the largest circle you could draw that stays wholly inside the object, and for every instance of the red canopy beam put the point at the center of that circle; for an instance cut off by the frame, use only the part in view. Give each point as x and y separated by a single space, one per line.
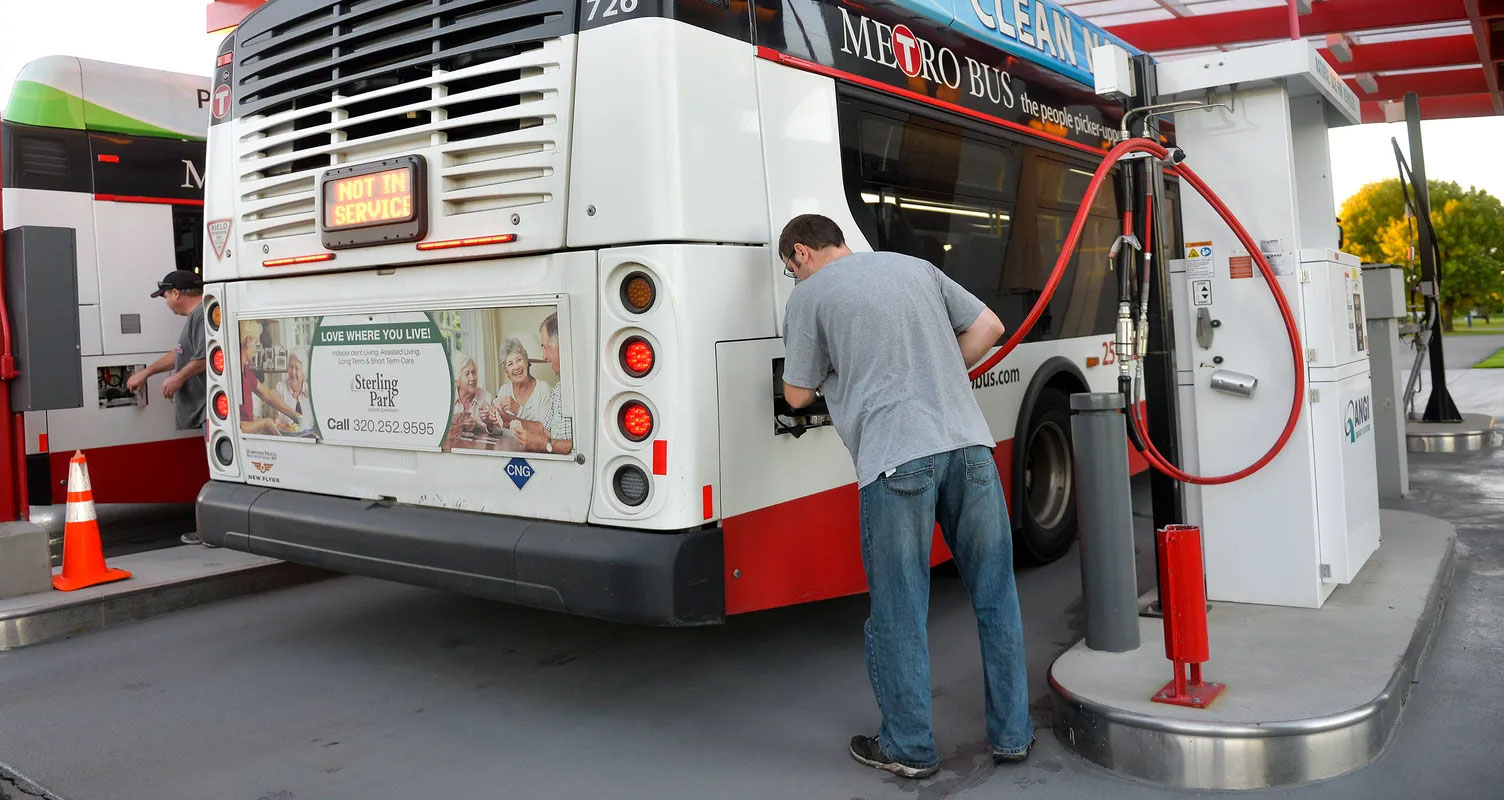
223 14
1483 36
1462 105
1258 24
1426 84
1435 51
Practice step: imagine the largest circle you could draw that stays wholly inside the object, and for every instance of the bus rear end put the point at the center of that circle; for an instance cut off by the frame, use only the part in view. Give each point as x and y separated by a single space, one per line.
435 229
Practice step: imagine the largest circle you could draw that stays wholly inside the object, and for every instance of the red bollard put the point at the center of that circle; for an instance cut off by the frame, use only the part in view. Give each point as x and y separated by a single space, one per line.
1182 595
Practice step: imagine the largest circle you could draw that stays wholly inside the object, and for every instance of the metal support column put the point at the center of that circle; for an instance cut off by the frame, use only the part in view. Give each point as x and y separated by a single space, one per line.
1440 407
1160 392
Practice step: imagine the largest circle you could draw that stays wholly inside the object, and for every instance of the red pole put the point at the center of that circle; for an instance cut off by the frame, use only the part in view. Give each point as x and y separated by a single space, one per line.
12 452
1294 21
1182 596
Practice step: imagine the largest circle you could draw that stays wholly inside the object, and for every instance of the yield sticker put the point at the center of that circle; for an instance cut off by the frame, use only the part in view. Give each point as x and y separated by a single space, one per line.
519 471
219 236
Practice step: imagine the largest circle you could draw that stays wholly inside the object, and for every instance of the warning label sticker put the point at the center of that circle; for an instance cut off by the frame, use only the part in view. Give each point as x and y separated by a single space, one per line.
1198 259
1240 266
219 236
1275 253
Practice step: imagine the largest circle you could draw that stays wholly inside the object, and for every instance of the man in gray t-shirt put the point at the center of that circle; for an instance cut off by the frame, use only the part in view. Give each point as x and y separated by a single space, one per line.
887 339
187 386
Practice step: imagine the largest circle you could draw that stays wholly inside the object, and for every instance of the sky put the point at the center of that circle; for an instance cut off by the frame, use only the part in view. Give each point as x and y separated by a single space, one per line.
169 34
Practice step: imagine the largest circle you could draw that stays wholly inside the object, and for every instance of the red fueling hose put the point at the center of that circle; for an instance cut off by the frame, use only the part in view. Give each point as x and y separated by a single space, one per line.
1151 454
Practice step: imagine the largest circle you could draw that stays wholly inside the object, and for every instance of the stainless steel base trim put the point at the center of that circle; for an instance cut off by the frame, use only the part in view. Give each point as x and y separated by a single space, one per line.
88 616
1459 442
1188 754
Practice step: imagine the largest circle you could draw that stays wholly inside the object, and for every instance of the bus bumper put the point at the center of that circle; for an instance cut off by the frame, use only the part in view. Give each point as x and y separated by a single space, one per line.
646 578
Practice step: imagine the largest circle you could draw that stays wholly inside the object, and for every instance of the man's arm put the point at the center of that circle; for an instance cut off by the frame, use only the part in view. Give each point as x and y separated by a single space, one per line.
138 378
171 386
535 438
797 396
980 336
270 398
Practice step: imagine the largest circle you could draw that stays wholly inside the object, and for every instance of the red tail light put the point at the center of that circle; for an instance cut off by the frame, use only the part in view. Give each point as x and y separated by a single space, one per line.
217 360
222 405
637 356
288 262
636 421
503 238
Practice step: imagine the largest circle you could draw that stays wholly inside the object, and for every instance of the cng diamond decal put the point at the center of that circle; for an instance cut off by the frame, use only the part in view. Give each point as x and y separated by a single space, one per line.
519 471
219 236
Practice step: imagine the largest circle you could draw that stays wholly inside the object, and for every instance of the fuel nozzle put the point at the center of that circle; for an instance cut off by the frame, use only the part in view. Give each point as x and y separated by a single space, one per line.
1123 345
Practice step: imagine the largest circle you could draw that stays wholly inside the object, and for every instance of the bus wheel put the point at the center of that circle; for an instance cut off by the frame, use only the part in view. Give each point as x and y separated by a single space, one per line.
1049 494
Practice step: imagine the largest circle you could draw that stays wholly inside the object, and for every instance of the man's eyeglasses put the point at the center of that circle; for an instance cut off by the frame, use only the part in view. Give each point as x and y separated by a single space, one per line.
165 287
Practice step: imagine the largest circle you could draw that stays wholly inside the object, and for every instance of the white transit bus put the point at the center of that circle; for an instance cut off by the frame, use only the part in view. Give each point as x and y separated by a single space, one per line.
115 153
452 226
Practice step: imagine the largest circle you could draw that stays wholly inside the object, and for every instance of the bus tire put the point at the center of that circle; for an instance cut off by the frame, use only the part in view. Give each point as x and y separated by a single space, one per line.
1047 503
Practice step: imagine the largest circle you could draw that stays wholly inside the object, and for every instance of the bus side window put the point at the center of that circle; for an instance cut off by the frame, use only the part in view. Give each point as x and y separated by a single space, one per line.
188 238
1086 299
934 191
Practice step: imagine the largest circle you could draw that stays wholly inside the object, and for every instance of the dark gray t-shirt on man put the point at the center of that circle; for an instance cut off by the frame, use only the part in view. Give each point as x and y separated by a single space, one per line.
878 330
188 403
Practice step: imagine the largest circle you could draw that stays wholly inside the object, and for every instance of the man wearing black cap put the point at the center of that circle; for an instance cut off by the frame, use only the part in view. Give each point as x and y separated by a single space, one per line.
186 386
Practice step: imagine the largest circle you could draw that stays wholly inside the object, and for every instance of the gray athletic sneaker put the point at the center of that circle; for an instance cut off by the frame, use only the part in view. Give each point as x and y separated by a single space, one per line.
1004 756
867 750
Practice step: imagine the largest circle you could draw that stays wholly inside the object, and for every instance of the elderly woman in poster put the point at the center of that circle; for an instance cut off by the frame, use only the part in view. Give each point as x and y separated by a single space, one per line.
293 391
522 396
473 411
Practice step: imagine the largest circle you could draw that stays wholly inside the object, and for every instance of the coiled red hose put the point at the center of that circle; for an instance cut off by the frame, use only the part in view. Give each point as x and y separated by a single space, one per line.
1151 454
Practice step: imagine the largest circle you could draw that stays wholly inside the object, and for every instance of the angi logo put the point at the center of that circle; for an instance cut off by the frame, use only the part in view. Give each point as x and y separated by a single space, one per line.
1359 418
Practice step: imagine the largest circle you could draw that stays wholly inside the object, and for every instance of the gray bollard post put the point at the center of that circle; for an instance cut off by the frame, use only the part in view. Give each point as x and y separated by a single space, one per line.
1104 513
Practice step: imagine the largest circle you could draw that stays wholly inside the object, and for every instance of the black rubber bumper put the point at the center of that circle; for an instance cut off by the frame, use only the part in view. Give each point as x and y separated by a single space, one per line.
646 578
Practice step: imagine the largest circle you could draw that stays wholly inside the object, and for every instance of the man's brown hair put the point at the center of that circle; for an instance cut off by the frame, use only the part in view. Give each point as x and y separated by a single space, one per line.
814 231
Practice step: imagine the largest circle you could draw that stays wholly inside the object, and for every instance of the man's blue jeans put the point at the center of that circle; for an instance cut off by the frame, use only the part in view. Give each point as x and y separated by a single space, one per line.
960 490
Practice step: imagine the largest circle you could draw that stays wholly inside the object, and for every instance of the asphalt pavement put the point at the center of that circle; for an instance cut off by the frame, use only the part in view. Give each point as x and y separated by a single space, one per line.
358 688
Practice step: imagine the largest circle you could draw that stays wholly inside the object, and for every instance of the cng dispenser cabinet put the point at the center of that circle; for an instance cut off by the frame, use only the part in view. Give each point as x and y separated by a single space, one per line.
1308 521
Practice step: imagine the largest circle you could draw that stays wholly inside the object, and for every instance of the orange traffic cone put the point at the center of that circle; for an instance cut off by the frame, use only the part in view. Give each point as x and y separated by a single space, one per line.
83 556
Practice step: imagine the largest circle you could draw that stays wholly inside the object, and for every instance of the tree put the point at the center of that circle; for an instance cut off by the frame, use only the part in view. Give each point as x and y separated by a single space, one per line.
1469 229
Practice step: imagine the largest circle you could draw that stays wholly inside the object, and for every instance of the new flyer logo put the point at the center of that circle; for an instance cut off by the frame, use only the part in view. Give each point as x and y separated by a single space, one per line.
261 466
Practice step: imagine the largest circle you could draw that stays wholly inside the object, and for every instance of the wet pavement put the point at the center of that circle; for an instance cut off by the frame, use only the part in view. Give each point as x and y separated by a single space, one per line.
357 688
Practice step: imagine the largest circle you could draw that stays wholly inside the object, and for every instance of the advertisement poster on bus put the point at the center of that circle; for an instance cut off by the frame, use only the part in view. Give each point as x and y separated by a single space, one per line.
460 380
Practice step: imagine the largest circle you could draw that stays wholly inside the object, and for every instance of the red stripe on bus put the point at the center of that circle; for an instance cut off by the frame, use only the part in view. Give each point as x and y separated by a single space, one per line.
831 72
809 548
165 471
660 457
131 198
42 442
707 498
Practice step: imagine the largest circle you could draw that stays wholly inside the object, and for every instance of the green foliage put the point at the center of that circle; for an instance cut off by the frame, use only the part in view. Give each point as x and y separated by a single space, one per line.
1469 226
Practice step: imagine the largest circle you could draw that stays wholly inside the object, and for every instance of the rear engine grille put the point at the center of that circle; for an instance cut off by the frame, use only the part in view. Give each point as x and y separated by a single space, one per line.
326 83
